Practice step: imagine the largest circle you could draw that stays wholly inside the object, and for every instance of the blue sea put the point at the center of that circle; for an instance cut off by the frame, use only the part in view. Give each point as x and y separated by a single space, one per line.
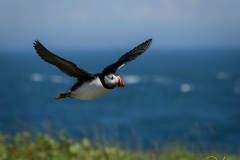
188 97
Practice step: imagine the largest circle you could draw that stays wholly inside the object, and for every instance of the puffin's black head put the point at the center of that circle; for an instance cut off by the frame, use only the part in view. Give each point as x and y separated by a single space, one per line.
113 80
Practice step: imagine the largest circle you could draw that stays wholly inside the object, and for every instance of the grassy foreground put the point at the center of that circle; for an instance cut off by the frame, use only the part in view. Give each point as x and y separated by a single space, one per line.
24 146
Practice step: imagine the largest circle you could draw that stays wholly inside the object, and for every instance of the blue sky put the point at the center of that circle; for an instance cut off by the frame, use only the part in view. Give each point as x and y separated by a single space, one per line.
112 24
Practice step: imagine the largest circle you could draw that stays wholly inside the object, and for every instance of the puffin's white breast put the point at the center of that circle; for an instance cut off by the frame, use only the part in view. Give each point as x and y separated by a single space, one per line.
90 90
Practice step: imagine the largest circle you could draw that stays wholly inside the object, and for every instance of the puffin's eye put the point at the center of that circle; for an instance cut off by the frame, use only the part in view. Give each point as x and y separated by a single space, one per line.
110 77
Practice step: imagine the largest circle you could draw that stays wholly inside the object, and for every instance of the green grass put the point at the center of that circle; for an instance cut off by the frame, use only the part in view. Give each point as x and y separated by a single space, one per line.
25 146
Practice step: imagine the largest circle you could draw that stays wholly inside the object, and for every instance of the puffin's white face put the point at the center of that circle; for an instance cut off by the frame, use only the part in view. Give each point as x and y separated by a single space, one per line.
113 80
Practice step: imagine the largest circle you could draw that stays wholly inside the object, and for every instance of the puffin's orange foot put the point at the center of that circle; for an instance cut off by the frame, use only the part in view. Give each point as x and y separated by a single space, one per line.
63 95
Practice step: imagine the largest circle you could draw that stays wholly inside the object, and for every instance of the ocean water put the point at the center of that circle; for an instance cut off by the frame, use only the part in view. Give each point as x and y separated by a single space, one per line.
190 97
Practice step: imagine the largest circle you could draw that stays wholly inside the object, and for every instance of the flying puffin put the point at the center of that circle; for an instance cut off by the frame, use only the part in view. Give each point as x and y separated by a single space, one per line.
90 86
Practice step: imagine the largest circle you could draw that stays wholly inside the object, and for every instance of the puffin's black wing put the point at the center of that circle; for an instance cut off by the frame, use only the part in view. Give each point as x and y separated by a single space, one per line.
127 57
71 69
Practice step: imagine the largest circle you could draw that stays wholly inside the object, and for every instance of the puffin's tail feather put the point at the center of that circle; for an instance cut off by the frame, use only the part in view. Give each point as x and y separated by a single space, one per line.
63 95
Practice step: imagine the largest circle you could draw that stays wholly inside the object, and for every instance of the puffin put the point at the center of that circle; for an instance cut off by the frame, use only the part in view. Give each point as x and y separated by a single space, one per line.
90 86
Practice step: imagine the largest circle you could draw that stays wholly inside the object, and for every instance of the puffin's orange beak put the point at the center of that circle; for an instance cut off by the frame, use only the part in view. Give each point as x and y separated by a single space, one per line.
120 82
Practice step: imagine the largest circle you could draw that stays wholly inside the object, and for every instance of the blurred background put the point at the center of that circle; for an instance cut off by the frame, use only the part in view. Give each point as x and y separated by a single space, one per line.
184 89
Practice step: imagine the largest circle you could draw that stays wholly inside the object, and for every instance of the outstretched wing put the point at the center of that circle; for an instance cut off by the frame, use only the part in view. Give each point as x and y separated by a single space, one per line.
127 57
69 68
